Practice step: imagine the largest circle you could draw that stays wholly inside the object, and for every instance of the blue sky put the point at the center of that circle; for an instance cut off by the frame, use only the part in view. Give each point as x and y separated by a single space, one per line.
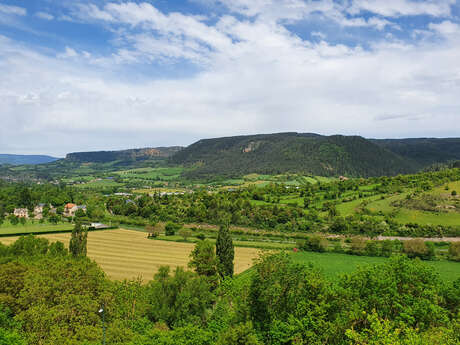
91 74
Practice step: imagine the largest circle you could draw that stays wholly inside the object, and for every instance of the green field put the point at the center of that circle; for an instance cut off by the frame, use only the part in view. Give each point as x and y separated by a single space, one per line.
334 264
8 229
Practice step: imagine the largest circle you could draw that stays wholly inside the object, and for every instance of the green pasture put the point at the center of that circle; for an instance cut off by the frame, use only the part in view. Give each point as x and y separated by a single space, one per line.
424 217
104 183
334 264
8 229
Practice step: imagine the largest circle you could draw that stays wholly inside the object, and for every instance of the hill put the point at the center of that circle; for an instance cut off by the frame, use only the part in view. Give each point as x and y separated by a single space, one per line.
291 152
424 151
131 155
25 159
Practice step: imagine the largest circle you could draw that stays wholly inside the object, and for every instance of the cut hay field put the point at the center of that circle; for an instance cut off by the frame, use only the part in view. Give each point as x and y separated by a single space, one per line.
127 254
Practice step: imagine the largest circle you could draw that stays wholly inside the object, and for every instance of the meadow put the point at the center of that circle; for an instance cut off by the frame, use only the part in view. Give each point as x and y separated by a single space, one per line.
127 254
334 264
8 229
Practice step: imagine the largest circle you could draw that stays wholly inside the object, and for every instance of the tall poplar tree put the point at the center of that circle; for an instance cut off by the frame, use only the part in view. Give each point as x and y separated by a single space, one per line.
78 240
225 252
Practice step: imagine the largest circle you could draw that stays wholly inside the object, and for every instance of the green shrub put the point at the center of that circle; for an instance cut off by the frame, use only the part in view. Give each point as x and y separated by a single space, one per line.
454 251
386 248
372 248
357 246
314 244
171 228
418 248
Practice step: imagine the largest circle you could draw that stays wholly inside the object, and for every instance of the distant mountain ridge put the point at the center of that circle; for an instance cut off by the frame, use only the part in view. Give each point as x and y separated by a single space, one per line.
25 159
305 153
130 155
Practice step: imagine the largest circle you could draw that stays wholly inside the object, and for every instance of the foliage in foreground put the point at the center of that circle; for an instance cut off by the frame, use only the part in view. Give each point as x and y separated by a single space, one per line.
48 296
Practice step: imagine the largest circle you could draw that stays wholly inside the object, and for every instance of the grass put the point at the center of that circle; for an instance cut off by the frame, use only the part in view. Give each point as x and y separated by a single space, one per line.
423 217
126 254
9 229
334 264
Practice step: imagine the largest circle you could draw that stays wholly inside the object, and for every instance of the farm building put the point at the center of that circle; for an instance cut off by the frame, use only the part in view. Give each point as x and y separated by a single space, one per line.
21 212
70 209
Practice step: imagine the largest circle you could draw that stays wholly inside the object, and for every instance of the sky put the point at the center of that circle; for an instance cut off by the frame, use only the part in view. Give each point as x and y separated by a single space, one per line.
86 75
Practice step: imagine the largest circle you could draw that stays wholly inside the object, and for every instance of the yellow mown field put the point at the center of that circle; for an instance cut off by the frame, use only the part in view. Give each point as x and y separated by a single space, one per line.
129 254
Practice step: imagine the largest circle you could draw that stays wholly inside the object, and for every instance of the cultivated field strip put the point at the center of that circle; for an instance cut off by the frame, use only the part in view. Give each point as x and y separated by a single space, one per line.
127 254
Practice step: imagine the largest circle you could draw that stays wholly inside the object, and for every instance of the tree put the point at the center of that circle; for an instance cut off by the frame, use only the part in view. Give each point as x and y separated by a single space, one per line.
54 218
203 259
78 240
241 334
454 251
185 233
13 219
171 228
225 252
152 230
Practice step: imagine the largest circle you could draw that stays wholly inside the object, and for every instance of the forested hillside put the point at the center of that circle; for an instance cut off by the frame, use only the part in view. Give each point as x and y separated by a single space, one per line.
123 155
25 159
424 151
291 152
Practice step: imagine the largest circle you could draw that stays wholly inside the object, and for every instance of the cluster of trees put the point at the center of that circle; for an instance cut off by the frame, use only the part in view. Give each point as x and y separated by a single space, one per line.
48 296
414 248
261 208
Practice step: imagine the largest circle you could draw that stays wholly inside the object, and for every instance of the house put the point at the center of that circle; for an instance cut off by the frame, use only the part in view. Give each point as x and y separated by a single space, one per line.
38 211
21 213
70 209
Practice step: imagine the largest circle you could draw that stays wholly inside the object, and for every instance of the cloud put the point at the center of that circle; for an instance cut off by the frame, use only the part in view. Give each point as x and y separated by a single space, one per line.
15 10
253 75
398 8
68 53
44 15
445 28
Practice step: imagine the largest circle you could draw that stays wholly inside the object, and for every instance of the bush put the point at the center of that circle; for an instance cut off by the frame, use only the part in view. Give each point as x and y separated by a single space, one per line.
372 248
418 248
357 246
171 228
387 248
185 233
337 248
314 244
454 251
201 236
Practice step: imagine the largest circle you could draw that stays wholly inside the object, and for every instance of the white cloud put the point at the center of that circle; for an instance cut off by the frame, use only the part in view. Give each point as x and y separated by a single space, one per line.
68 53
397 8
445 28
44 15
254 76
15 10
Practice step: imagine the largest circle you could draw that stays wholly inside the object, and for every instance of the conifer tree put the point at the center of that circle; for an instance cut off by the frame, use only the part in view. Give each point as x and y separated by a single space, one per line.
225 252
78 241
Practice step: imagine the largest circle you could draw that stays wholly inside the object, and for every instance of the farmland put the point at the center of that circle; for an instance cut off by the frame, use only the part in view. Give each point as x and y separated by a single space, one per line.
126 254
333 264
8 229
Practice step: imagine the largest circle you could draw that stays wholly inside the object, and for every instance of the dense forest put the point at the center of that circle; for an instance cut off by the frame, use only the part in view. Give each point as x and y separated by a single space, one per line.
123 155
291 152
424 151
